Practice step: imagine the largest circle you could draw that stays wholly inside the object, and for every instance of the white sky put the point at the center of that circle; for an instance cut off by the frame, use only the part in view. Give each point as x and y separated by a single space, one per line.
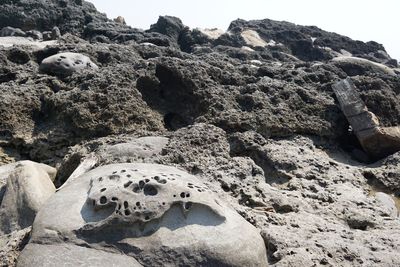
363 20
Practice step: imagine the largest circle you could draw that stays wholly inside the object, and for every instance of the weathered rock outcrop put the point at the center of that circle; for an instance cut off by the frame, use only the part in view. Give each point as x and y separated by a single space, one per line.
250 112
155 214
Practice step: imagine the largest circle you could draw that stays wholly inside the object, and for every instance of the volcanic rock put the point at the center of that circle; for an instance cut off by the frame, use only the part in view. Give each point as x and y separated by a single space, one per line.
248 112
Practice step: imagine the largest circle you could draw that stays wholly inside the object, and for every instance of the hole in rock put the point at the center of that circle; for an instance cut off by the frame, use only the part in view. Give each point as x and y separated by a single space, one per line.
7 75
136 188
127 212
150 190
173 94
113 177
138 203
114 199
348 141
103 189
127 184
125 204
173 121
68 168
188 205
183 195
103 200
275 176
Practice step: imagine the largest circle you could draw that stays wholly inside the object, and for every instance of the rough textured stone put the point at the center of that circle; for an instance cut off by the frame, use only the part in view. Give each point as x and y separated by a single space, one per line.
386 172
72 255
297 190
154 213
55 33
11 246
260 125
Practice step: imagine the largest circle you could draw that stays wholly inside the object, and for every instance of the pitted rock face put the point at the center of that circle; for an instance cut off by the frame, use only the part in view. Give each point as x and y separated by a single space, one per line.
64 64
143 195
154 214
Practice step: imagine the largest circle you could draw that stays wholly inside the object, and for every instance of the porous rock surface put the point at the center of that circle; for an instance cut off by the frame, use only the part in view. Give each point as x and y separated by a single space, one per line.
157 214
249 111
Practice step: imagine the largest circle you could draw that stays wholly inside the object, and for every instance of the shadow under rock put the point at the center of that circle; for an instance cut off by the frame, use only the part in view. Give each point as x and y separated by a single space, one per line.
115 230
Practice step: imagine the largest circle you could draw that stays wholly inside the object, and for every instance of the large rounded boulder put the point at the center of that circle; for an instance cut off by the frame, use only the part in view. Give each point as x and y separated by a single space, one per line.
65 64
148 214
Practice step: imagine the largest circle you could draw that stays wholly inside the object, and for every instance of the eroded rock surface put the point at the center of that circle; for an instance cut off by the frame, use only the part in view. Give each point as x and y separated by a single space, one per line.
155 214
250 111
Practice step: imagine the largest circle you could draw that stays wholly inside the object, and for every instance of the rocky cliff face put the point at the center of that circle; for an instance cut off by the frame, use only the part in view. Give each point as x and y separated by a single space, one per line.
250 112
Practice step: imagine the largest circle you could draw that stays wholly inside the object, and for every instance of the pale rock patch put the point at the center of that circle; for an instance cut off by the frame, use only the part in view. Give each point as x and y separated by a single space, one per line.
252 38
28 186
213 34
155 214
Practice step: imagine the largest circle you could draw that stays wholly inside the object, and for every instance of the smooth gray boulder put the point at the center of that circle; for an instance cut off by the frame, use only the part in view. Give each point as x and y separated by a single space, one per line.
64 64
155 214
139 148
28 186
387 202
10 31
359 66
73 256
